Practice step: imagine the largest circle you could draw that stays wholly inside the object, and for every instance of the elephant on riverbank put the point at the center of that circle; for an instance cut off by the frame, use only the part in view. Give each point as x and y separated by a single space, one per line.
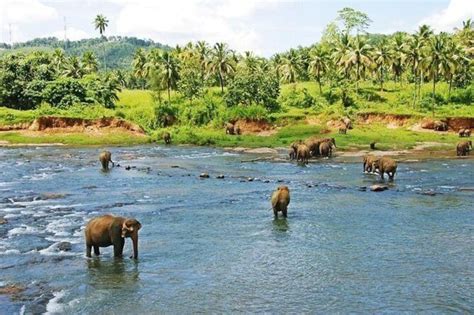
440 126
280 200
385 165
464 132
463 148
302 154
105 157
167 137
368 161
111 230
347 122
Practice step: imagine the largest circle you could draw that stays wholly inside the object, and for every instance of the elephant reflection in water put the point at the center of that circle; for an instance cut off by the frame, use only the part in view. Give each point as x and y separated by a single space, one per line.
114 273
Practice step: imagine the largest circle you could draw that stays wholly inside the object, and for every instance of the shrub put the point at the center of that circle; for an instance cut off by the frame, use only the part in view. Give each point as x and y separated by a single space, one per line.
298 98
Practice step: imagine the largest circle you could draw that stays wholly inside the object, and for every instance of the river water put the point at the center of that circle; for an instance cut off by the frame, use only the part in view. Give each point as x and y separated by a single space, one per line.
213 246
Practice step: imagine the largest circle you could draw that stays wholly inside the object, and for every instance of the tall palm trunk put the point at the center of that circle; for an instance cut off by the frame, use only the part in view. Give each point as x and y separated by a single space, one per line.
319 83
450 85
357 79
434 92
221 81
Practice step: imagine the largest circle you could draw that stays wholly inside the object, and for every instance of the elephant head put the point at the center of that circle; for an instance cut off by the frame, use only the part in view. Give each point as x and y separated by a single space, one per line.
130 229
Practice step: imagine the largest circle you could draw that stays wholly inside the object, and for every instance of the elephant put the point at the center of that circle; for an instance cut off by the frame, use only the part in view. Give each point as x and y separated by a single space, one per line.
325 148
347 122
105 157
465 132
111 230
313 145
280 201
167 137
343 130
236 129
368 163
293 149
372 145
463 148
440 126
385 165
302 154
229 128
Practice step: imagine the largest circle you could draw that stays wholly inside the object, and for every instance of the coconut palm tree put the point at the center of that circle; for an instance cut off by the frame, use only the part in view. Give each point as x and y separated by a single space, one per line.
73 68
139 65
358 55
58 60
339 55
290 66
89 62
399 47
434 59
202 51
221 63
169 68
101 23
318 63
276 62
382 58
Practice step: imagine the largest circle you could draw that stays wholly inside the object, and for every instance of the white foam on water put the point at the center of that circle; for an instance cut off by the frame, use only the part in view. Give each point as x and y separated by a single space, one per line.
12 215
53 250
54 306
447 187
10 252
22 309
24 229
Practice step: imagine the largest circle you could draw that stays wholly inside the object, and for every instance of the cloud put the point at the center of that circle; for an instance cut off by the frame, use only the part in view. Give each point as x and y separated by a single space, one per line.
451 17
72 34
180 21
25 11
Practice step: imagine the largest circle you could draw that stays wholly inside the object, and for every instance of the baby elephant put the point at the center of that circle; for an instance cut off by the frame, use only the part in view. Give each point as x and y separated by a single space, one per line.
105 157
463 148
167 137
110 230
385 165
280 201
368 163
465 132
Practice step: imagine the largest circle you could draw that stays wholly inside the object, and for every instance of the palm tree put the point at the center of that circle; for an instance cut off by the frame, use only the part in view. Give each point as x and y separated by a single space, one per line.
89 62
414 57
423 34
250 62
341 50
382 58
358 55
202 50
139 65
73 68
101 23
434 59
276 63
221 63
318 63
399 56
290 66
58 60
169 69
452 61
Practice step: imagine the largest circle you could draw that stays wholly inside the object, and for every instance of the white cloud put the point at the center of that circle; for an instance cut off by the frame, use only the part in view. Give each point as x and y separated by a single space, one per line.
25 11
451 17
180 21
71 33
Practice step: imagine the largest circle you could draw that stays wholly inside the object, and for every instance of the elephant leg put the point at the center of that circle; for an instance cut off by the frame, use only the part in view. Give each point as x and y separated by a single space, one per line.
284 213
381 174
88 250
275 213
96 250
118 248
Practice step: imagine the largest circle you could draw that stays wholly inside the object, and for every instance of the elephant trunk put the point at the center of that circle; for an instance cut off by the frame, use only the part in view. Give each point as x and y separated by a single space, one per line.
135 245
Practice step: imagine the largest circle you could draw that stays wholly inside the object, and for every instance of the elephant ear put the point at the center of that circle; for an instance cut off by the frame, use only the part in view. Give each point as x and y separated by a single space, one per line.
126 229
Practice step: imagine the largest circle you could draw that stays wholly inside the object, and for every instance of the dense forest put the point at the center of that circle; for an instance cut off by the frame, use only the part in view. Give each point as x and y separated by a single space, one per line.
197 81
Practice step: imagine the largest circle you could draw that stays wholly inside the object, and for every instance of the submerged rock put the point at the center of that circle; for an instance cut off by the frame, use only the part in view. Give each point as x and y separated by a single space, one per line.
220 176
378 187
3 220
204 175
64 246
428 193
12 289
362 188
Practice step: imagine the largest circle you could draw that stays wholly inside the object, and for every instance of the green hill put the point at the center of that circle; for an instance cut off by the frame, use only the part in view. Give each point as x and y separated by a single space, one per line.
118 50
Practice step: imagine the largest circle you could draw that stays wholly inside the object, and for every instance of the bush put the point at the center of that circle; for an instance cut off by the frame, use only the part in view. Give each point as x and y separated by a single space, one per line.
65 92
165 114
463 96
253 112
298 98
200 113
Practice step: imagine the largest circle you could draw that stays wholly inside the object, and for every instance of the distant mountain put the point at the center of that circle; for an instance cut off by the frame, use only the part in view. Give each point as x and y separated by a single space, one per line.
118 50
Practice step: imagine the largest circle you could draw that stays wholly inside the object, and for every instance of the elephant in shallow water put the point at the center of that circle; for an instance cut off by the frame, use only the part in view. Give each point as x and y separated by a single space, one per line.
105 157
463 148
368 163
385 165
302 154
111 230
167 138
325 148
280 201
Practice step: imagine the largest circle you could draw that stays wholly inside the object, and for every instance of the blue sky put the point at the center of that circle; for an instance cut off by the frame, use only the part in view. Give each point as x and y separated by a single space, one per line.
263 26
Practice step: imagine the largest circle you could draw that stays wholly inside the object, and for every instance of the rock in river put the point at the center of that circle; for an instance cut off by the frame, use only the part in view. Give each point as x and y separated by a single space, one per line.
378 187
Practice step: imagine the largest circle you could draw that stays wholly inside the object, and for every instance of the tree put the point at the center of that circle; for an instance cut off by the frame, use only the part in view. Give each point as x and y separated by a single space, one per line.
382 58
221 63
202 50
168 71
101 23
358 55
73 68
399 55
354 19
434 58
290 66
190 83
139 65
58 60
318 64
89 62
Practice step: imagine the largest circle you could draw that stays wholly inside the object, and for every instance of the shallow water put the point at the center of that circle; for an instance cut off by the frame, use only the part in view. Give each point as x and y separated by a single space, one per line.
212 245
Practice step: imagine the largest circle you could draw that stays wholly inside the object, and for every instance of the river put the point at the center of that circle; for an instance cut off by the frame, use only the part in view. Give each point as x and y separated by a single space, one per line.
213 246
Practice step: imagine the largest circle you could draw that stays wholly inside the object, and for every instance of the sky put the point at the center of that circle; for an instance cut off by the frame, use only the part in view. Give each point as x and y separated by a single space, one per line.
262 26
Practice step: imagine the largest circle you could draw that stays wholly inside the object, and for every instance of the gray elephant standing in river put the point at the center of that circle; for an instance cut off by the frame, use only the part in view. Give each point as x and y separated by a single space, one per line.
105 158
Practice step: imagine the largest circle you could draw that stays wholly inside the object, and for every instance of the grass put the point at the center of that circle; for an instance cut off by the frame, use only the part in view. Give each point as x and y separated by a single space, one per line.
138 106
74 139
